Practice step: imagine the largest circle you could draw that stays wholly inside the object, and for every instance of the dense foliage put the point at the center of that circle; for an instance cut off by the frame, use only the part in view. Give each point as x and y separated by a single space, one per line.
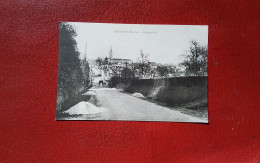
70 80
196 61
164 70
127 73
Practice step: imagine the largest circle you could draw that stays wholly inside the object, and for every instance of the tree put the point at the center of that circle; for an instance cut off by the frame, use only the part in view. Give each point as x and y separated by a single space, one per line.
162 70
86 73
165 70
143 65
99 61
127 73
70 79
105 62
196 60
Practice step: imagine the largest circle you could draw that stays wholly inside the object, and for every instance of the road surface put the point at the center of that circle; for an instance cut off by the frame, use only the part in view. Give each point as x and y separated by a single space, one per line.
116 105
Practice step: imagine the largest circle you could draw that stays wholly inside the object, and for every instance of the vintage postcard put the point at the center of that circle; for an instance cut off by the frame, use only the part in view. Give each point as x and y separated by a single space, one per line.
133 72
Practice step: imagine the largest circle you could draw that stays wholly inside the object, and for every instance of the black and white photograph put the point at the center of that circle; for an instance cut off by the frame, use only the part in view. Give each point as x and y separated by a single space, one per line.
133 72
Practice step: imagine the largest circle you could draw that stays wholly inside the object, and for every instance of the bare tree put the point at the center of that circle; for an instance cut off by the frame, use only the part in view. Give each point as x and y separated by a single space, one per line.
143 63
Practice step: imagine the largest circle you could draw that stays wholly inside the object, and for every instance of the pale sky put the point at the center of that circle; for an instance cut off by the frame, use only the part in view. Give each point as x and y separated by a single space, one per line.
163 43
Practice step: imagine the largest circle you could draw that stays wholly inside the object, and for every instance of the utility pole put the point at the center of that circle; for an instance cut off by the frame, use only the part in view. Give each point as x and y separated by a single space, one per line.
126 77
110 53
85 66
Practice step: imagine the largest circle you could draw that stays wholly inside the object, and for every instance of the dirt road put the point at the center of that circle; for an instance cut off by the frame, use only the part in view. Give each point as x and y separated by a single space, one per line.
120 106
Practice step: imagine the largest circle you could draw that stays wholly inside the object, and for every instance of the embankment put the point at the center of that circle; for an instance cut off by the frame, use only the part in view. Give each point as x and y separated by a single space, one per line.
173 91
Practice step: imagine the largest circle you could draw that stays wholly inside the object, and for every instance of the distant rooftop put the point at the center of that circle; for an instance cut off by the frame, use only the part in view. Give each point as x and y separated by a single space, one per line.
152 63
120 59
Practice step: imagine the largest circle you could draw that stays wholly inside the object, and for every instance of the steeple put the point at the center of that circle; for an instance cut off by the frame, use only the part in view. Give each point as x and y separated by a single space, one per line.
85 57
